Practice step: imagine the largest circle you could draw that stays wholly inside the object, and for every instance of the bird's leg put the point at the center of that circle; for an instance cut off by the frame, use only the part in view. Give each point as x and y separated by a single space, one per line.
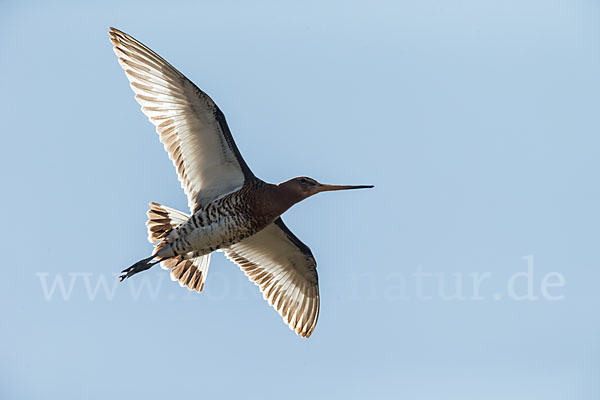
139 266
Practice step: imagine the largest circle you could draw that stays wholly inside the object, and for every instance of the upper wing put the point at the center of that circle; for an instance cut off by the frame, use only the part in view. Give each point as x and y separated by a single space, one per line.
191 126
286 272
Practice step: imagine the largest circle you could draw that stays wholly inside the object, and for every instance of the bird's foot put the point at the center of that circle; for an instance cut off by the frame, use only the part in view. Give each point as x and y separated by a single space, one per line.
126 273
139 266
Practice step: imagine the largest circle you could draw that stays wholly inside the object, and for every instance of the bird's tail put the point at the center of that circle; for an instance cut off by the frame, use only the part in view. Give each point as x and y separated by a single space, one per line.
190 272
161 221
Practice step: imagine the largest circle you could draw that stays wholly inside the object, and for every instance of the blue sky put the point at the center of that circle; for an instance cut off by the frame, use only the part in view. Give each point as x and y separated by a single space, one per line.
469 272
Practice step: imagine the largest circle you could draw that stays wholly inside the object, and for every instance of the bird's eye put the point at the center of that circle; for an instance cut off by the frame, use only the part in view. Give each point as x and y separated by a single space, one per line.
303 180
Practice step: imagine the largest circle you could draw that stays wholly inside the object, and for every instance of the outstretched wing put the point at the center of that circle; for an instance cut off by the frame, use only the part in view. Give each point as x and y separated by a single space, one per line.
286 272
191 126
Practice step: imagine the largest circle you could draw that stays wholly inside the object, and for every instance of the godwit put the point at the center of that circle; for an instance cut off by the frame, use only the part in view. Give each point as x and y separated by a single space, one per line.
231 209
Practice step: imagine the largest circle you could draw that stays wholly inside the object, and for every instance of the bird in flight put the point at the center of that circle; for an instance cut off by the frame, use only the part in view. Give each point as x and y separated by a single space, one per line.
232 210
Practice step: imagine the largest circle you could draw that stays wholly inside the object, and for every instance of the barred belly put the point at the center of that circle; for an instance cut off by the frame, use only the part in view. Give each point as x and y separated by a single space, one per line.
217 225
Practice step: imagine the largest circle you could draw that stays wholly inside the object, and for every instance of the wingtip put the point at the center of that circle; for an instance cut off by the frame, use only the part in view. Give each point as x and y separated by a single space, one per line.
116 33
112 32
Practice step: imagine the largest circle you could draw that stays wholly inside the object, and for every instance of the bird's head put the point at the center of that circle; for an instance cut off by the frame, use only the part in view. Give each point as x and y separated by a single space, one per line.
302 187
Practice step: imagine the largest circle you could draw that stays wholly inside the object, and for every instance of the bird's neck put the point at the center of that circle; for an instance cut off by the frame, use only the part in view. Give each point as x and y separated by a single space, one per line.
273 200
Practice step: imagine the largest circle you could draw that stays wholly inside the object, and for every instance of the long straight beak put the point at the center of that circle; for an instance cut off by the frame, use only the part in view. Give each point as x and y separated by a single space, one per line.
327 188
